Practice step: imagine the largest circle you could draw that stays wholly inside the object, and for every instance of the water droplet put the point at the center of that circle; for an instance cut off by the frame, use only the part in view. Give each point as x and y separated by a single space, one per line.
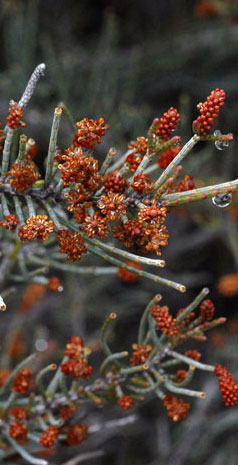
41 345
220 144
222 200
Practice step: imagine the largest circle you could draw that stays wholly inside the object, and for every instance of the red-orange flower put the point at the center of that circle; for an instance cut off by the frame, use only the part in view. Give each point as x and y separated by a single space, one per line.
142 183
227 385
96 225
18 431
78 368
165 126
90 132
194 354
127 275
49 437
228 284
11 222
207 309
22 381
140 354
168 155
126 402
80 169
24 176
177 409
181 375
138 149
209 110
114 182
165 322
36 227
14 119
74 347
77 434
71 244
112 205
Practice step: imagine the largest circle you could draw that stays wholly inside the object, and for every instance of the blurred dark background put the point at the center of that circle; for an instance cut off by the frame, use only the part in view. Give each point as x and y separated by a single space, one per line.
129 61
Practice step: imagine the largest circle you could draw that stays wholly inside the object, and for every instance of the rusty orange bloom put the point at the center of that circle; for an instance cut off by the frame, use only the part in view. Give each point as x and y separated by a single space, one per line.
36 227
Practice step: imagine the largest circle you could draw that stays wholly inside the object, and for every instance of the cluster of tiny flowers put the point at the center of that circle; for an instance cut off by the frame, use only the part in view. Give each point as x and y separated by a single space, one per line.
70 243
78 168
167 124
18 431
24 176
209 110
207 309
165 322
77 434
142 183
114 182
90 132
137 151
177 409
11 222
49 436
193 354
168 155
14 119
227 385
77 365
140 354
22 381
36 227
127 275
126 402
181 375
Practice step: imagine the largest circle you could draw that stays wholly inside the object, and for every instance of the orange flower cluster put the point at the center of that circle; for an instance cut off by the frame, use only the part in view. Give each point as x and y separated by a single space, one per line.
22 381
14 119
181 375
207 310
147 238
114 182
54 284
165 322
77 434
142 183
126 402
152 215
4 375
90 132
138 150
33 294
227 385
140 354
127 275
11 222
18 431
49 437
20 413
209 110
112 205
194 354
166 125
80 169
168 155
24 176
177 409
77 365
71 244
96 225
36 227
66 412
186 184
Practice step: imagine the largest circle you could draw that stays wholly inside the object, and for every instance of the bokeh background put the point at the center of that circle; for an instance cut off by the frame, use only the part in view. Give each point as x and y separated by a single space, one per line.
129 61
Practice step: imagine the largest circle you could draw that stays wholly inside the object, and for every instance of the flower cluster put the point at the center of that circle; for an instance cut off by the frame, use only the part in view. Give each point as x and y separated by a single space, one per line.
209 110
71 244
165 322
90 132
36 227
177 409
77 365
22 381
24 176
228 387
14 119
